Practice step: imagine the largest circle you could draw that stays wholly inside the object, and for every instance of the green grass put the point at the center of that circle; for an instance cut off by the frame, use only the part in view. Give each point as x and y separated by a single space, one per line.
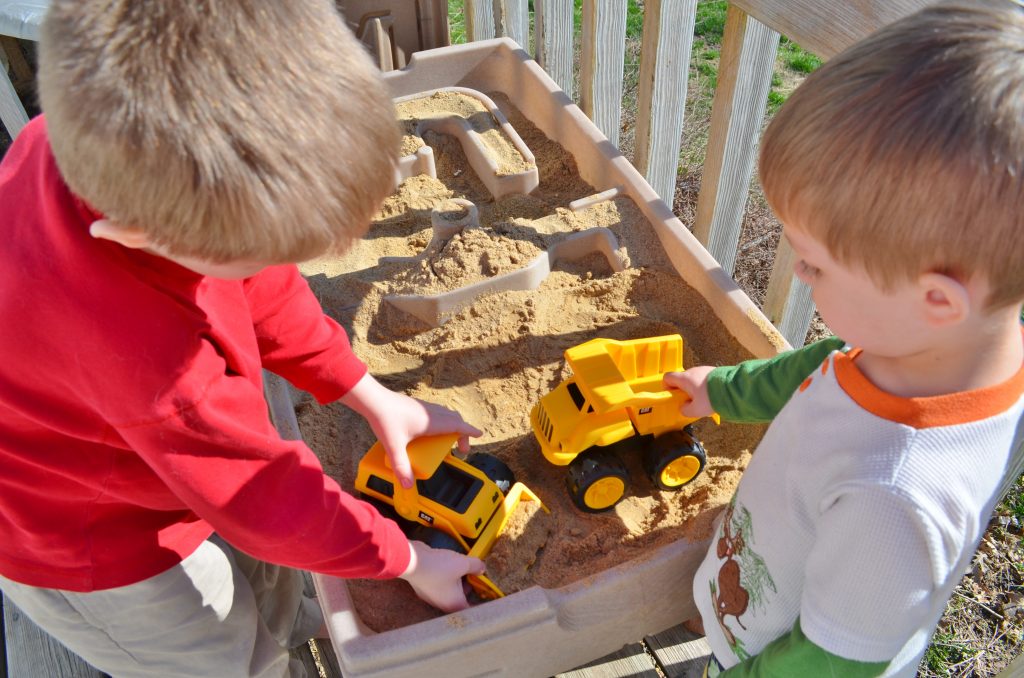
1013 503
457 21
634 19
709 26
945 652
796 58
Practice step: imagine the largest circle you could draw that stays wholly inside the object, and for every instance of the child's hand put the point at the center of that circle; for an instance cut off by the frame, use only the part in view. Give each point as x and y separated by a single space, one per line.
694 382
436 575
396 419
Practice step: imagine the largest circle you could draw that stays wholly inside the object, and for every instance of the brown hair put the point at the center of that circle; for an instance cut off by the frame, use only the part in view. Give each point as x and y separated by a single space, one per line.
224 129
905 153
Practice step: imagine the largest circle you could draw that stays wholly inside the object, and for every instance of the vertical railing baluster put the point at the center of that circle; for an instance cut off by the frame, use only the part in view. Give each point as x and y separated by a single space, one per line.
602 62
664 67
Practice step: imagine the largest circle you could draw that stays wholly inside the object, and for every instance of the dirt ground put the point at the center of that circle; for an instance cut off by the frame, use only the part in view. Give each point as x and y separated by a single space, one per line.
493 360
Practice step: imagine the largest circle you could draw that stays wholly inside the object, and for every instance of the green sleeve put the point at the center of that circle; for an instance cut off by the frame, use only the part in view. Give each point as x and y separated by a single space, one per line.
754 391
794 655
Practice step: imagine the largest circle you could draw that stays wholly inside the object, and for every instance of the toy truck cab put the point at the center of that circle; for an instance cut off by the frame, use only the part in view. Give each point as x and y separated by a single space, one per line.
462 505
616 393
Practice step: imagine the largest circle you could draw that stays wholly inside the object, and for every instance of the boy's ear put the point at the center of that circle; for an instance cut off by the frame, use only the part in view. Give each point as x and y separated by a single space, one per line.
946 300
128 236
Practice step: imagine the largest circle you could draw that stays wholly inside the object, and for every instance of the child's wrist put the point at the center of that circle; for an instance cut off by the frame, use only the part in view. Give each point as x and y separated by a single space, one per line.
413 562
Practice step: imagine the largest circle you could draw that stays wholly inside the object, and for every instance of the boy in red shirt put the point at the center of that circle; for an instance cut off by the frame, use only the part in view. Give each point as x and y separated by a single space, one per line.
188 154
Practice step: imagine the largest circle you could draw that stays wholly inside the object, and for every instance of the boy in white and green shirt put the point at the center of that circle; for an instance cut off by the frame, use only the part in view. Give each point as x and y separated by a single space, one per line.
898 171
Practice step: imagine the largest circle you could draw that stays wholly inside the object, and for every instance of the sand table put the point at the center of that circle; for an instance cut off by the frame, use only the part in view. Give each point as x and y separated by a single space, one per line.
493 360
458 104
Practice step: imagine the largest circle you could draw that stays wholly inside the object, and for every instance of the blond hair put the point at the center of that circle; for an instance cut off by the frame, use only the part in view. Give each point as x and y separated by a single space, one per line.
905 153
224 129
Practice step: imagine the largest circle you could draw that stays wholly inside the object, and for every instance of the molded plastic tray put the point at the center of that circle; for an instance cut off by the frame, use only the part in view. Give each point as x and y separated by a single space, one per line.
540 632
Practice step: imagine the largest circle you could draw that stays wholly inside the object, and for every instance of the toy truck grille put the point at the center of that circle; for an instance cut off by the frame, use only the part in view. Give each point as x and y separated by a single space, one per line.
544 422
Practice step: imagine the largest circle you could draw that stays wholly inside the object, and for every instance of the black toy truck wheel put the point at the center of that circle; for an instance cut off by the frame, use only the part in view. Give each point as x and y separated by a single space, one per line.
597 480
674 459
493 468
437 539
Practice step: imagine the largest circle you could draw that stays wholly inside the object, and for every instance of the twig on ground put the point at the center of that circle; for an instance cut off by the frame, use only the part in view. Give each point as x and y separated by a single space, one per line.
979 604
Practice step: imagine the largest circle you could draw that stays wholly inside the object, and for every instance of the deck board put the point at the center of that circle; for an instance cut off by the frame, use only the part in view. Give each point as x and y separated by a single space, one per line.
30 651
631 661
3 640
304 655
679 653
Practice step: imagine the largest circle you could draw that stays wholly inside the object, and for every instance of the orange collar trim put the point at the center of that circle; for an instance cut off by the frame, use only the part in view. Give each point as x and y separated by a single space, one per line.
944 410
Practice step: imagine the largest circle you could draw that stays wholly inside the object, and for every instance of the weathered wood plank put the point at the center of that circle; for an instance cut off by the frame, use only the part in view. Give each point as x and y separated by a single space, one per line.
631 661
12 112
20 68
1014 670
324 653
827 28
788 302
434 28
664 66
602 63
3 640
744 78
512 19
679 653
303 654
479 19
553 41
32 652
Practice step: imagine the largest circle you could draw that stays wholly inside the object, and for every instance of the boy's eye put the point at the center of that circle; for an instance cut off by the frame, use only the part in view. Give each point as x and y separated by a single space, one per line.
805 270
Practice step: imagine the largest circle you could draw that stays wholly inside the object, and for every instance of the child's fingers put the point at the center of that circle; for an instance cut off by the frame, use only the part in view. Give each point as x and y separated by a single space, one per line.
455 600
678 380
474 566
444 420
467 431
399 458
691 409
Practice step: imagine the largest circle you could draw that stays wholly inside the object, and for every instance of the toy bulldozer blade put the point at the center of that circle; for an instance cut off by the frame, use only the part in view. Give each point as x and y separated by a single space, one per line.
482 585
459 501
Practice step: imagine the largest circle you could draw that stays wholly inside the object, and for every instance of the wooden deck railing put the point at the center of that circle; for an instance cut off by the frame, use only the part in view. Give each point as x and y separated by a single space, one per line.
748 50
749 45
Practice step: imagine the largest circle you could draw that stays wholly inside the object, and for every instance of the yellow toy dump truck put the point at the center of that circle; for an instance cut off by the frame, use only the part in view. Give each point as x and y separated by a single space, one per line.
462 505
615 401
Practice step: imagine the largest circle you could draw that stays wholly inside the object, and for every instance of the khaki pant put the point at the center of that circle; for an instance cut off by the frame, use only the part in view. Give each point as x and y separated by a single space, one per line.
219 613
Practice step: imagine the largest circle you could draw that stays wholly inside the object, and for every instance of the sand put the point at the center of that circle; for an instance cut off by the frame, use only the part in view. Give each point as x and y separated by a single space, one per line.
493 360
519 544
414 112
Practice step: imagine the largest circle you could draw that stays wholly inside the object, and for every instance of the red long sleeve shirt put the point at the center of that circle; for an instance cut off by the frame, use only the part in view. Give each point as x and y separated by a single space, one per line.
132 420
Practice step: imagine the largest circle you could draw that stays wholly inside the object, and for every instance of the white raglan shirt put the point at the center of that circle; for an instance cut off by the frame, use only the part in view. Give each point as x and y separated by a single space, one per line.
859 513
